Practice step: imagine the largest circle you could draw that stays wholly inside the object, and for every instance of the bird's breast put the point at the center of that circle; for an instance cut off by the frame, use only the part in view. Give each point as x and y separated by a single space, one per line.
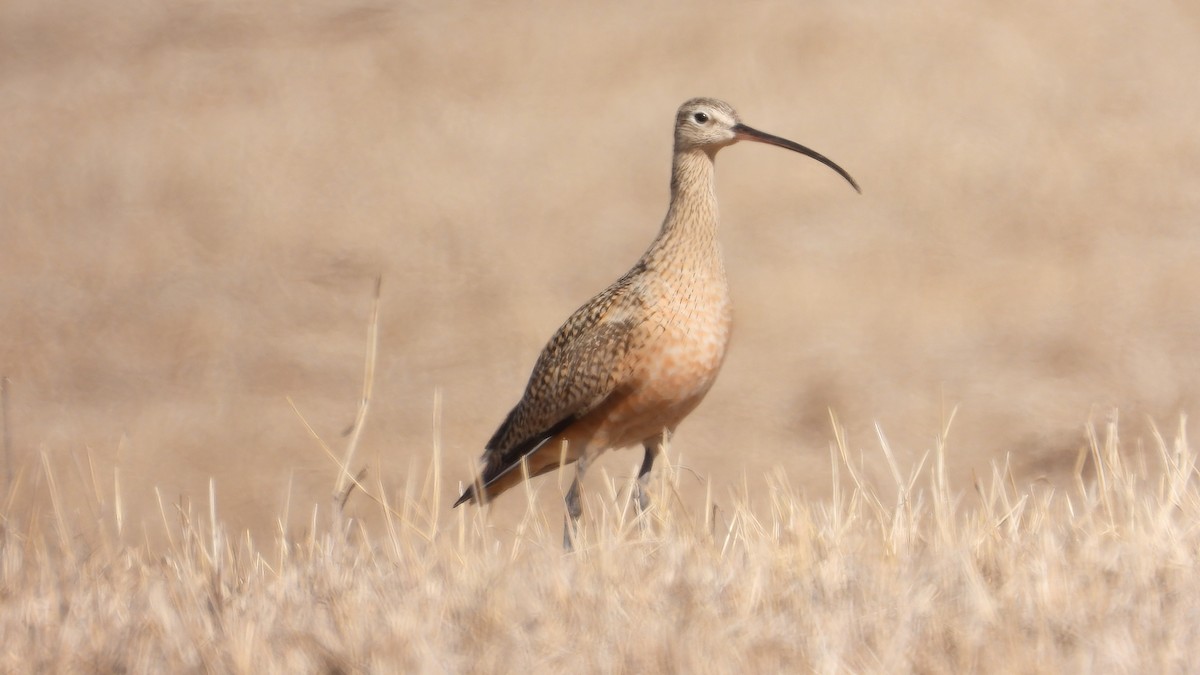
681 346
680 321
689 336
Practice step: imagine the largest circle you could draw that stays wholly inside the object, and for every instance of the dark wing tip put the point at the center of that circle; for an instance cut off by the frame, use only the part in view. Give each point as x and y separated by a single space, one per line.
468 495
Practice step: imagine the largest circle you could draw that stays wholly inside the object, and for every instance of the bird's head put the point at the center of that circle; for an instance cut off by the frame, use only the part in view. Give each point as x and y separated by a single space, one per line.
710 124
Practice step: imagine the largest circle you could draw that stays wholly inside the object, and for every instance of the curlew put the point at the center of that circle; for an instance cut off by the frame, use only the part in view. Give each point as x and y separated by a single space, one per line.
632 362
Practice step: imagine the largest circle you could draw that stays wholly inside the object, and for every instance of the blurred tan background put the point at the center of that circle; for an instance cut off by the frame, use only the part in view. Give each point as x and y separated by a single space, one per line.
196 198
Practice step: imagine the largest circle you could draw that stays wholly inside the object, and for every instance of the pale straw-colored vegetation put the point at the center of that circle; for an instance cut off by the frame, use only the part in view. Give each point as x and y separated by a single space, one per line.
913 575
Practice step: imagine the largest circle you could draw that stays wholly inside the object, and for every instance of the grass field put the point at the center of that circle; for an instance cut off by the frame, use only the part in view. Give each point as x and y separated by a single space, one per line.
1099 577
197 198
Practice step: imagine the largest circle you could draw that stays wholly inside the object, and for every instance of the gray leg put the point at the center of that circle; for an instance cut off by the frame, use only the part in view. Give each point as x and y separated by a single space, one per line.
574 507
653 447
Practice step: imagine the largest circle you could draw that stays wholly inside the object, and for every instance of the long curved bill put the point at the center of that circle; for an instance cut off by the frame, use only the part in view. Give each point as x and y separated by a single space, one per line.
744 133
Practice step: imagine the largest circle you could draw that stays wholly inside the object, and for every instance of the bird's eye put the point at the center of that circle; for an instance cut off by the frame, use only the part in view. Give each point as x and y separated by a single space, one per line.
701 118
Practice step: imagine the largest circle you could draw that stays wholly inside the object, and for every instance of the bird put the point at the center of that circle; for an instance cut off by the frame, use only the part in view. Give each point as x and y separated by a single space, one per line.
631 363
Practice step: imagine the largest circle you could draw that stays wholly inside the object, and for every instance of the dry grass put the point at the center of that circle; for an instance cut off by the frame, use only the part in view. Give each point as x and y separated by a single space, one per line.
1096 578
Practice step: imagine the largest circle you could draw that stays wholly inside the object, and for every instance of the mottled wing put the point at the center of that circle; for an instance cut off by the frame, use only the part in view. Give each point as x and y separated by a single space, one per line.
579 369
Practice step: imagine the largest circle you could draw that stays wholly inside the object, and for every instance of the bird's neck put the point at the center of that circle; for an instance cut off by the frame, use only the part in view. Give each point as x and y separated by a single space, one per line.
690 228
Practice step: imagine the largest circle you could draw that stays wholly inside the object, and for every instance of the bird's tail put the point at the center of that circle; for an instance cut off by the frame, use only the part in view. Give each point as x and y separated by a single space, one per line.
495 480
